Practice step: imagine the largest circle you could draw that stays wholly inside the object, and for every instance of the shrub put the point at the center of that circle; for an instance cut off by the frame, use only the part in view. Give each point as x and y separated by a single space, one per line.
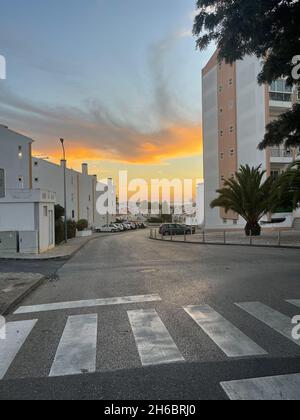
59 212
59 231
71 229
82 225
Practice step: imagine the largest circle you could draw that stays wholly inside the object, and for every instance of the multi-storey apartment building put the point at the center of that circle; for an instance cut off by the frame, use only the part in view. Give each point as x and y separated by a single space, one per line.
236 111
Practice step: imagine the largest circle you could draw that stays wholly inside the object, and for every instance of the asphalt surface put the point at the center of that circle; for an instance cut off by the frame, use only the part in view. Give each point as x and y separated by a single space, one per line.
182 275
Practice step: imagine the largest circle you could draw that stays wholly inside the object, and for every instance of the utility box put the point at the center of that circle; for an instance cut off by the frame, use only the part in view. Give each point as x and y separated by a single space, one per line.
29 242
9 242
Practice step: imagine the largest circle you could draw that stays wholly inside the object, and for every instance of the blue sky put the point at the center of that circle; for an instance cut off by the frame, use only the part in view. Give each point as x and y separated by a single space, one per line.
117 78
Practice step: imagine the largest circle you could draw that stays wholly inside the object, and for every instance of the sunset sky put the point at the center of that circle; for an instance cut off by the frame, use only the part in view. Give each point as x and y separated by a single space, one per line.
120 80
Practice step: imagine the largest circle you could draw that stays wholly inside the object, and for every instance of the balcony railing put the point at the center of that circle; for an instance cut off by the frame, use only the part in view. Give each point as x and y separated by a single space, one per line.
280 96
279 153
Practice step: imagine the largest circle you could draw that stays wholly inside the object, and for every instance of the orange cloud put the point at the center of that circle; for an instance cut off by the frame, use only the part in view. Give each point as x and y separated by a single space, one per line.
171 143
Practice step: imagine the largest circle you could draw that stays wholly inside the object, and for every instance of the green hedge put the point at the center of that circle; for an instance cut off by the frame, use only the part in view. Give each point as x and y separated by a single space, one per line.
59 231
71 229
82 225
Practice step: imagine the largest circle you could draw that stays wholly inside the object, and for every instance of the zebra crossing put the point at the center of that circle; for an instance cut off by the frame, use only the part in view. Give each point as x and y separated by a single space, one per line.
76 353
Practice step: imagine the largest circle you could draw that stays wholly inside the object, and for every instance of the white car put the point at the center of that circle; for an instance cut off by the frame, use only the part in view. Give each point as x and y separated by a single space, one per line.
110 229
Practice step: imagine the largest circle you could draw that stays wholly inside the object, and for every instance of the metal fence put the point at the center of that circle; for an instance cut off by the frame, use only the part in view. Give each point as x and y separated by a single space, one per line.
271 237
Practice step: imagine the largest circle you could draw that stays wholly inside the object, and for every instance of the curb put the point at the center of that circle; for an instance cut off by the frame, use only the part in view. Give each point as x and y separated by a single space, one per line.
221 244
55 258
12 305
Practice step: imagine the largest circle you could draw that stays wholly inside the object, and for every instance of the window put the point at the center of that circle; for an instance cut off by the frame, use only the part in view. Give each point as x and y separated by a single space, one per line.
36 163
231 152
220 88
222 156
222 178
221 133
275 174
2 183
225 221
221 110
231 129
280 91
36 180
20 152
73 214
230 82
45 210
235 222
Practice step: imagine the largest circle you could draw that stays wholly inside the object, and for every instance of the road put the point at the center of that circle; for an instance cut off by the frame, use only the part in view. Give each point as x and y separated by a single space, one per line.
175 332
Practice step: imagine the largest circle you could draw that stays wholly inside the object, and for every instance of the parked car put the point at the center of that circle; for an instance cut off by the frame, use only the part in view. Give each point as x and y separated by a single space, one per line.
110 229
116 226
191 229
169 229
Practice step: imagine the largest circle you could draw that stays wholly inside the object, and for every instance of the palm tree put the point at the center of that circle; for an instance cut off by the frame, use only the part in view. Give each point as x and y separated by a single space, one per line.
248 195
288 187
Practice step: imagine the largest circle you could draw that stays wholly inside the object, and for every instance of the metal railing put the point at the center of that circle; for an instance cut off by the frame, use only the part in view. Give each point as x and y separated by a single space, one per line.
280 153
274 238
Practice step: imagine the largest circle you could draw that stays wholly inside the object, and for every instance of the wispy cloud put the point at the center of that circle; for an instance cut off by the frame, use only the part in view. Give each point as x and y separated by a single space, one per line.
94 133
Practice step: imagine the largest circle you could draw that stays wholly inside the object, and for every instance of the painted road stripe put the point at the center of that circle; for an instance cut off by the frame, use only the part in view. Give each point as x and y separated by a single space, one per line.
295 302
16 335
87 304
274 388
226 336
273 319
154 343
76 353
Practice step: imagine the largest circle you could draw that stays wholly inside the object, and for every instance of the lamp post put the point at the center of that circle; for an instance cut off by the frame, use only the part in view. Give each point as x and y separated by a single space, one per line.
65 190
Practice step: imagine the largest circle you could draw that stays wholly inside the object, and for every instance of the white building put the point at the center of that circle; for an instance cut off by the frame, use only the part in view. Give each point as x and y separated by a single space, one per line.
30 187
236 111
81 188
26 215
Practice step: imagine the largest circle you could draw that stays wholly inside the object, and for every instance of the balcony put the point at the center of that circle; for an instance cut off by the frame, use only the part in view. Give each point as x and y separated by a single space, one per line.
28 196
281 156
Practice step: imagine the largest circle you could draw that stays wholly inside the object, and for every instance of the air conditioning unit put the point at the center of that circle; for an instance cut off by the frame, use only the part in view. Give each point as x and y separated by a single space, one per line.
9 242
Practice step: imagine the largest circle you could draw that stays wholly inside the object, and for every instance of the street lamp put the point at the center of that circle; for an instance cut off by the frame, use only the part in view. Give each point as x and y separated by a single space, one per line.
65 190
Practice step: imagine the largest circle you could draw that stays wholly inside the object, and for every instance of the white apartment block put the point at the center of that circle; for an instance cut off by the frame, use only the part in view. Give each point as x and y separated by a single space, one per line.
26 215
236 111
81 190
29 189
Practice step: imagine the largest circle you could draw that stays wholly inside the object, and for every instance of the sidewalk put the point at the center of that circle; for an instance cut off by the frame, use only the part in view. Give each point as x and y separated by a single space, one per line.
268 238
59 252
14 287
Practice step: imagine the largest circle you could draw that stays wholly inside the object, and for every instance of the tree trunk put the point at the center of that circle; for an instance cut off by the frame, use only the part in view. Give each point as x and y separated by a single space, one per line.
253 228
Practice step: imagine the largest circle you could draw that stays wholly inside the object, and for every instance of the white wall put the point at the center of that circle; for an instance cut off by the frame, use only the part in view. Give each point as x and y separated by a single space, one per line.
17 216
200 209
211 145
49 176
10 161
251 113
44 223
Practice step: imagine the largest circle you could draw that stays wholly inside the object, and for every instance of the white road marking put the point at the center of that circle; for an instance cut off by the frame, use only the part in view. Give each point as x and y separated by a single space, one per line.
273 319
16 335
87 304
226 336
76 353
154 343
295 302
274 388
